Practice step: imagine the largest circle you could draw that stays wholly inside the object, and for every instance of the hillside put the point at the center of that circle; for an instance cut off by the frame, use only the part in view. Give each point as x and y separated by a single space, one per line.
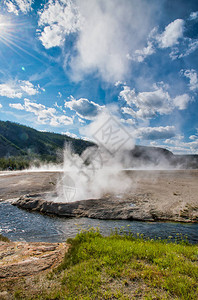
20 145
16 139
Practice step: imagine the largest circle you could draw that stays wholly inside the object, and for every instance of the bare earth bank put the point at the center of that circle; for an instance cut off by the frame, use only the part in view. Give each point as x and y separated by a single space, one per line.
154 195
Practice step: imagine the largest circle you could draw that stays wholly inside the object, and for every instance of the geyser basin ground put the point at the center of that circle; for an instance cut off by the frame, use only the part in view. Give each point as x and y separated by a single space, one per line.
154 195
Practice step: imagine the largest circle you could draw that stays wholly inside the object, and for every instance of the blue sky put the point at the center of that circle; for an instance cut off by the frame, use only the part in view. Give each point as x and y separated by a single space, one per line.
64 63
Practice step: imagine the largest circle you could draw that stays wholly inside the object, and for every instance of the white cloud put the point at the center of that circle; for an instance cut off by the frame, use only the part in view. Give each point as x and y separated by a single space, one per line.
28 88
178 145
108 33
171 35
73 135
140 55
7 90
18 89
57 20
156 133
18 106
45 115
193 15
11 7
1 105
148 104
15 6
84 108
187 47
193 137
192 75
181 101
119 83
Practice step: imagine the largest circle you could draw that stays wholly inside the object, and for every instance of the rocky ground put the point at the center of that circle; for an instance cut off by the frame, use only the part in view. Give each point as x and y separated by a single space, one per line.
22 265
19 259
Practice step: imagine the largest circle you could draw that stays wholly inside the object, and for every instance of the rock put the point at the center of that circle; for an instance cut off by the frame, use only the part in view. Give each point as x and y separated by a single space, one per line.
24 259
135 207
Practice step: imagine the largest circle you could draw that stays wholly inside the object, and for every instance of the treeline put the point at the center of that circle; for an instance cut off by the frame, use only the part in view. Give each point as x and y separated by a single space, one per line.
15 163
21 162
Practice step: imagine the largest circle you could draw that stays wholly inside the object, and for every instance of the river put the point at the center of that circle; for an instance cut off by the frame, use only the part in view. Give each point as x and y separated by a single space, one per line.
17 224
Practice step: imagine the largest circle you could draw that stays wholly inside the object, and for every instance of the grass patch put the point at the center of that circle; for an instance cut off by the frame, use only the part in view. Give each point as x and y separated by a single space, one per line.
123 267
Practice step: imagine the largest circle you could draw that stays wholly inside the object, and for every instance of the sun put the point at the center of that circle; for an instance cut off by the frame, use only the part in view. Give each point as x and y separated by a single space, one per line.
13 34
6 30
10 34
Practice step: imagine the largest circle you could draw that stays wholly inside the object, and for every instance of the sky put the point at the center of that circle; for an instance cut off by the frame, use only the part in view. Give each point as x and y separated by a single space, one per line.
66 63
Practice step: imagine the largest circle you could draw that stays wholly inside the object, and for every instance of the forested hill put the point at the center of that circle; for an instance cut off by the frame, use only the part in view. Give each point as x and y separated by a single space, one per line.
21 146
20 140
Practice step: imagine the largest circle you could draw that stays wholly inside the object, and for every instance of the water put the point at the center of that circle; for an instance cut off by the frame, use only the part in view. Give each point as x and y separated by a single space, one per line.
22 225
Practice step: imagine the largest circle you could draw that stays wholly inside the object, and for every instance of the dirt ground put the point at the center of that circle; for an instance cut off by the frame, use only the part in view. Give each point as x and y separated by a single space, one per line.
174 191
13 184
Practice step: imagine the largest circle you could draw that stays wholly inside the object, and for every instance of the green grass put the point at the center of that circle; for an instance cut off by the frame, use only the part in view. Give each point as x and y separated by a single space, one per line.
125 267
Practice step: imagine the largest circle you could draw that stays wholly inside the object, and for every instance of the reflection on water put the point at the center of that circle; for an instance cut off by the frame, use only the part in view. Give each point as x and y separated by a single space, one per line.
19 224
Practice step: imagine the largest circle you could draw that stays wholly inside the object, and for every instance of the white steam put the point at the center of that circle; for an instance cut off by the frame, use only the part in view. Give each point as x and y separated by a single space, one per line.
98 170
101 170
91 175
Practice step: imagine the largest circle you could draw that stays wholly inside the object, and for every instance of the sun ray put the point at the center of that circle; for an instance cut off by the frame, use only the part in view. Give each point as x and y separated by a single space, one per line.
10 36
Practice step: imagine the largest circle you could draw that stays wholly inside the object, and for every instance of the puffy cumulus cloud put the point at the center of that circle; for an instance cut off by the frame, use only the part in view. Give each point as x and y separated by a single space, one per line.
187 45
192 75
171 35
16 6
148 104
1 105
18 89
84 108
18 106
45 115
156 133
57 20
28 88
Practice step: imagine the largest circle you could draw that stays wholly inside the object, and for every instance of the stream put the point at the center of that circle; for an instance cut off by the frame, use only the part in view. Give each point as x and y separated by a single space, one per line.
21 225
